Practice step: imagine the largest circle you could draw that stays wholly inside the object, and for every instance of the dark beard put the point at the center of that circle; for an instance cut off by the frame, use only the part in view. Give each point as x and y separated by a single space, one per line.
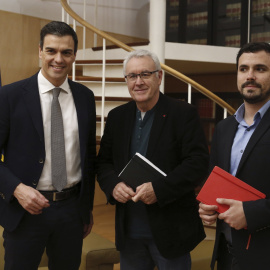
252 100
255 99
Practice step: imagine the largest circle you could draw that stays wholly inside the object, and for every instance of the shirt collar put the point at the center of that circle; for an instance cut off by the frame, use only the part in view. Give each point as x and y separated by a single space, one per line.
239 115
45 86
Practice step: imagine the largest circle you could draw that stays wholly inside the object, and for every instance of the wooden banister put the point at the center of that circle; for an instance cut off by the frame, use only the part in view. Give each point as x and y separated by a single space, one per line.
166 68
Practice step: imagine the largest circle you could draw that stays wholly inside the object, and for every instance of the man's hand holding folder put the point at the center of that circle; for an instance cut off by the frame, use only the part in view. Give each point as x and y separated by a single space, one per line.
223 193
123 193
234 216
145 193
138 176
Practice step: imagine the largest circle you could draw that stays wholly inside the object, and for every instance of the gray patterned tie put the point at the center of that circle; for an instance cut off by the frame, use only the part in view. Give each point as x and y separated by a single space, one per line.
58 155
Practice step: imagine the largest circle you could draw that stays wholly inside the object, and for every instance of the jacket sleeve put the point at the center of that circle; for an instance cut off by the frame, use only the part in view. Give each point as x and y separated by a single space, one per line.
91 157
106 174
8 181
257 214
192 160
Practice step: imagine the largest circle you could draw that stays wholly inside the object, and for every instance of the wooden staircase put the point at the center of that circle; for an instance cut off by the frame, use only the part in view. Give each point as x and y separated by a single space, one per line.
132 44
88 72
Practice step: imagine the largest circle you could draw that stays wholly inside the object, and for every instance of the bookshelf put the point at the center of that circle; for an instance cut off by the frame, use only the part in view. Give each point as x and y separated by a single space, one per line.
175 20
187 21
207 112
210 113
217 22
226 30
260 21
197 22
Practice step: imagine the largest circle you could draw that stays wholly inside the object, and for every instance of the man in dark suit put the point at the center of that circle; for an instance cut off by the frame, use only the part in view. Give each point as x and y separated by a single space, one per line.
157 223
35 211
241 146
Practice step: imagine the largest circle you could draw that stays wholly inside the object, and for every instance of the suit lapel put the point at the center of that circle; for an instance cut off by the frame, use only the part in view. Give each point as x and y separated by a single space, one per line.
256 136
229 134
161 115
128 125
82 116
32 101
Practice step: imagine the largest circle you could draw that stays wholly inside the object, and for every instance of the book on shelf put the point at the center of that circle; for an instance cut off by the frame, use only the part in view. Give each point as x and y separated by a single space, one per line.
233 41
209 128
174 3
221 184
174 21
233 11
197 19
260 37
202 41
197 1
206 108
140 170
260 7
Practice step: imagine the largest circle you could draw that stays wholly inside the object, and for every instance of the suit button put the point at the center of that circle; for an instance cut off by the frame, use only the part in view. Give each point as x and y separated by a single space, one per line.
2 195
41 161
34 183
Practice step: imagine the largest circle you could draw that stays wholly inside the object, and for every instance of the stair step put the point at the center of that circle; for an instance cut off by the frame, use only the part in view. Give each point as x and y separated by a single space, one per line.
93 62
127 99
98 139
98 118
97 79
133 44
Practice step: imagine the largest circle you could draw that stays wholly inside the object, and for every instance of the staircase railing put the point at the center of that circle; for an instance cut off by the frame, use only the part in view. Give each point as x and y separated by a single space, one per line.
191 83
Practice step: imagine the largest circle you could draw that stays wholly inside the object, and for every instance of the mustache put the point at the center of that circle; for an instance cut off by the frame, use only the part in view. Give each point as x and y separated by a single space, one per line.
251 84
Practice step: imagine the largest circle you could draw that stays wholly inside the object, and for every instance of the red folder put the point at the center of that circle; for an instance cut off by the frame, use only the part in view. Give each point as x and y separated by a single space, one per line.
221 184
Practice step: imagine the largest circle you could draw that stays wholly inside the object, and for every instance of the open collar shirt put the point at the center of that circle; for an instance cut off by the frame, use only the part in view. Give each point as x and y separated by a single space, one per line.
71 133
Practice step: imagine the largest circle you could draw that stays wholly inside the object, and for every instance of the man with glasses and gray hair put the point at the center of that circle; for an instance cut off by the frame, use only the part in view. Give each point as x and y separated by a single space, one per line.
158 223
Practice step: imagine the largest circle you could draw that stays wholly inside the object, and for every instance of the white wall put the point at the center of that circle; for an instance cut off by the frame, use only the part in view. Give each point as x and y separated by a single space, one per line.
37 8
127 17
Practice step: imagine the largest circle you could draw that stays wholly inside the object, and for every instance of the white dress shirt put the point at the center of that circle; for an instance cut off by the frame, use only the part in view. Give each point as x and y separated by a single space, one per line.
71 133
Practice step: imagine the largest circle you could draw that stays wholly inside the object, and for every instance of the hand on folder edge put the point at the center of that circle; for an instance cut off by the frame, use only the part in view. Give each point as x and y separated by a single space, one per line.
234 216
123 193
221 184
208 213
145 193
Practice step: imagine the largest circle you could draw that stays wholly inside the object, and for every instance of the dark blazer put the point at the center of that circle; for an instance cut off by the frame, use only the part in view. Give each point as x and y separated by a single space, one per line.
22 139
177 146
254 169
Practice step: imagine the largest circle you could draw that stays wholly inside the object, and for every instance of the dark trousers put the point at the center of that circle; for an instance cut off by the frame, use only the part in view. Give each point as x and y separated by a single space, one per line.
142 254
59 228
226 259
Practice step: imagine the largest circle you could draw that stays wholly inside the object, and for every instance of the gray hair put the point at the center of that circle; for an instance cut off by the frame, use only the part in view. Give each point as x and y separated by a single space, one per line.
138 54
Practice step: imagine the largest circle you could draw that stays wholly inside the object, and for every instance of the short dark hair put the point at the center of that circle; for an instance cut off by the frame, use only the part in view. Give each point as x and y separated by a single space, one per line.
59 29
253 47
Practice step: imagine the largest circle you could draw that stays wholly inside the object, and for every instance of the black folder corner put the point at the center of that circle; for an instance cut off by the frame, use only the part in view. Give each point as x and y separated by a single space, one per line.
140 170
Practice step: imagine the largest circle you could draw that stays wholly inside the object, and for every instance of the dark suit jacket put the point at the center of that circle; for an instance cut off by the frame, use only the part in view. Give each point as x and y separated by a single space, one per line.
22 139
177 146
254 169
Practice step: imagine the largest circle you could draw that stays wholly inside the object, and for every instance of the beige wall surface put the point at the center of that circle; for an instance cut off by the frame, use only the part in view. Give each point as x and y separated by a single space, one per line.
18 46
